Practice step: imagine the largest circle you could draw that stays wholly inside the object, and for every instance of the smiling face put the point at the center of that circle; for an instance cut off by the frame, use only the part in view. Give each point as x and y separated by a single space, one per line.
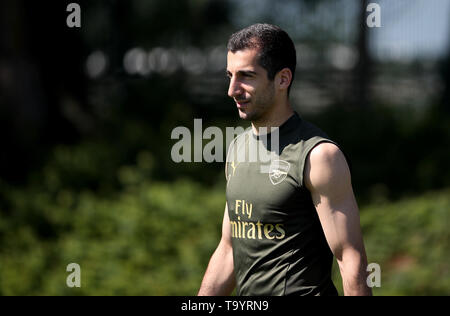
250 86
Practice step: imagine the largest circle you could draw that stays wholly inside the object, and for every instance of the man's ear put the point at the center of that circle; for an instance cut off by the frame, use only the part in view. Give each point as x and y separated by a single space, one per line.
284 78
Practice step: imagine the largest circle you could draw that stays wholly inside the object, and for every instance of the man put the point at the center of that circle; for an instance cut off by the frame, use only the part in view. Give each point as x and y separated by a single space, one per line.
281 228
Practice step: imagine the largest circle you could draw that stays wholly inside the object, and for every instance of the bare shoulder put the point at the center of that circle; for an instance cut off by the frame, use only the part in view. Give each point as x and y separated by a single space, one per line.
326 166
324 152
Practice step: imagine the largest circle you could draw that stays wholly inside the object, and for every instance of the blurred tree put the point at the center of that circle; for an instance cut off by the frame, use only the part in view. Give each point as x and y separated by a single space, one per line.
46 97
42 66
445 74
363 69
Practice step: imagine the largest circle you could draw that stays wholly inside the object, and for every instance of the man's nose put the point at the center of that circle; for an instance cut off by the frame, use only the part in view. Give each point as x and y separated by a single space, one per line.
234 89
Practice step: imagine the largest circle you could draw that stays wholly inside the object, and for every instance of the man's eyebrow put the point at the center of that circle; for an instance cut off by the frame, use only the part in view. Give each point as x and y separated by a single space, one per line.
246 72
242 73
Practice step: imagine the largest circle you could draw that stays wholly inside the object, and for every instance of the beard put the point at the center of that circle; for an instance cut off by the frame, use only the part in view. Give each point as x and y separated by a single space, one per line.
260 104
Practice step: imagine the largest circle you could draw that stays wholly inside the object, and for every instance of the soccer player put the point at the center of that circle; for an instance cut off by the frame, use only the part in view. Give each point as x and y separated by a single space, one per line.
282 226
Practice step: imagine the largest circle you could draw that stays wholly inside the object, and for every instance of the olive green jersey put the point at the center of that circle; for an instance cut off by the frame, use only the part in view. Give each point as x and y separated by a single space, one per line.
279 247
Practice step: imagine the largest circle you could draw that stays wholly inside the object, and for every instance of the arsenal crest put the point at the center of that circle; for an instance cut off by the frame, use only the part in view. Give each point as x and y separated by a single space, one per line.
278 171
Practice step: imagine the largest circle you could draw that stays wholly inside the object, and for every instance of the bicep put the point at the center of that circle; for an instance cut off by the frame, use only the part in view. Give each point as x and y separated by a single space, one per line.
341 226
327 176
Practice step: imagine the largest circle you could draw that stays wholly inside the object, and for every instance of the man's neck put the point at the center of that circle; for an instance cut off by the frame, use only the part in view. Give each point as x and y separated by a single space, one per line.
275 118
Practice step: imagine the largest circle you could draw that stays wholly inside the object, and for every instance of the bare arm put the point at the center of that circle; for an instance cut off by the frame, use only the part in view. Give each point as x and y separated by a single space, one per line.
327 177
219 276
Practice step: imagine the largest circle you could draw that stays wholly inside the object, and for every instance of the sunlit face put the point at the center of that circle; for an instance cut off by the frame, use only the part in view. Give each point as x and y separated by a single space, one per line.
250 87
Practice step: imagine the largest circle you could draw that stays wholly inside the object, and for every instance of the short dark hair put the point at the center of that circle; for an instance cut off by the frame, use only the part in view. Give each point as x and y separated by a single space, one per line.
277 51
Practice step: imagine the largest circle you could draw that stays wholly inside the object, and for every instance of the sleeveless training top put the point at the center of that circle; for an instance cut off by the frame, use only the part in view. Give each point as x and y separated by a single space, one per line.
279 247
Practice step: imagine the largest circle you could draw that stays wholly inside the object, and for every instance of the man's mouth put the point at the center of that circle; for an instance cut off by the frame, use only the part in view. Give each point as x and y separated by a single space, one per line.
242 103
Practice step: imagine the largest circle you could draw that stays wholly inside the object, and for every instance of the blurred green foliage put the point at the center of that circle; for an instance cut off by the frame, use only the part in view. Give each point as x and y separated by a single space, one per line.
155 238
149 239
410 241
135 228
